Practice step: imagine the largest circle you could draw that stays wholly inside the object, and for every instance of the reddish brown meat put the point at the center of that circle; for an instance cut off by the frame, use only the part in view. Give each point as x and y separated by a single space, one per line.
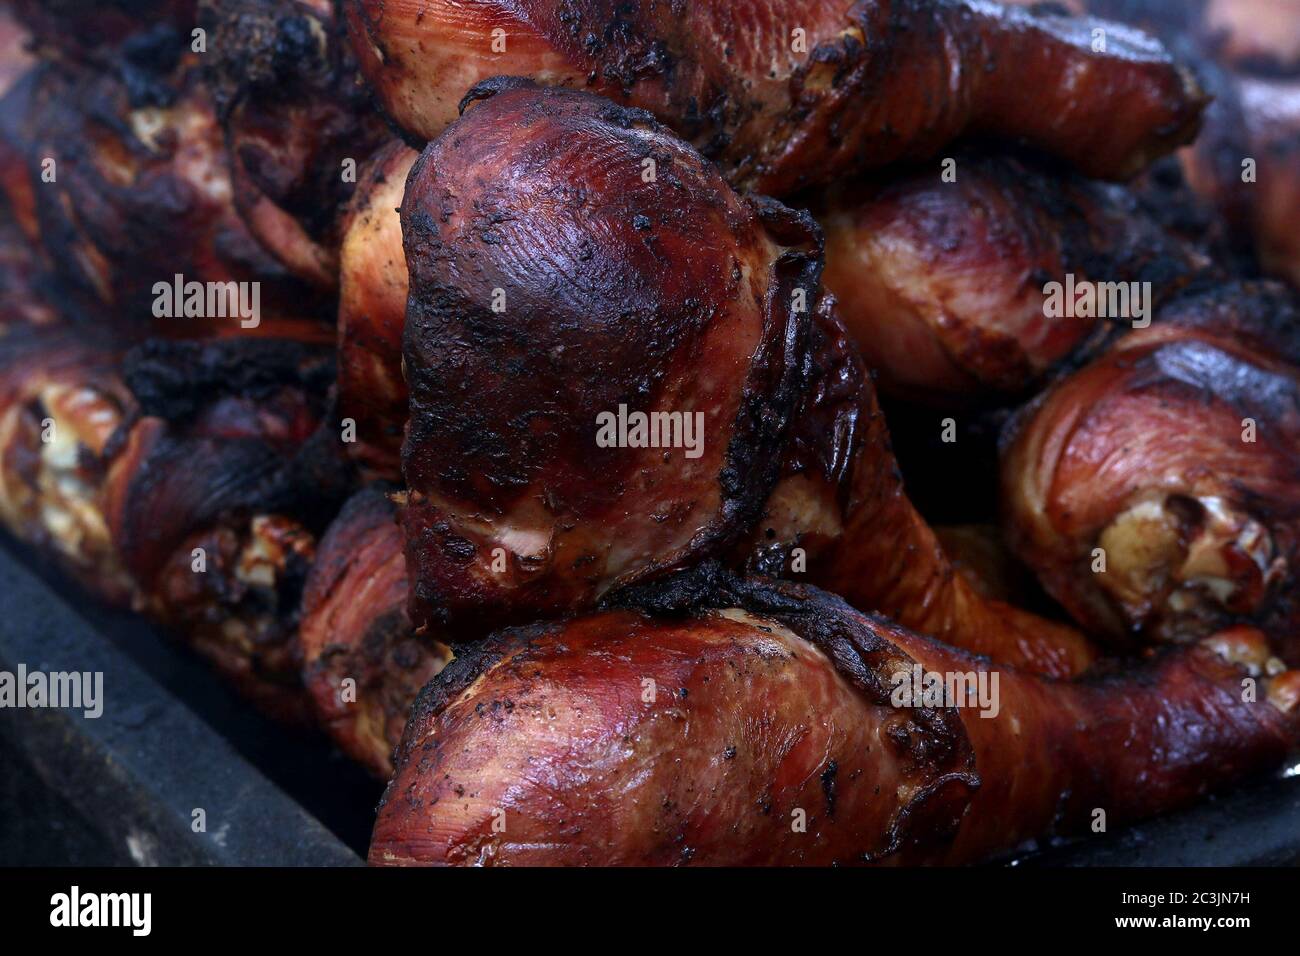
864 84
840 518
355 629
942 283
554 285
1176 457
767 727
372 313
126 185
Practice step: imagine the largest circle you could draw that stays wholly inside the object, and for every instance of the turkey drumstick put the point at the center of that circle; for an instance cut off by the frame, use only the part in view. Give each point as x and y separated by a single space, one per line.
556 295
772 724
798 93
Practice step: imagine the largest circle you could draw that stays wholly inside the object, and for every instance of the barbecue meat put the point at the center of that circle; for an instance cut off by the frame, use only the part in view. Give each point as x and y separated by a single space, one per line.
141 193
294 112
1175 457
362 662
555 289
372 313
942 284
766 726
864 84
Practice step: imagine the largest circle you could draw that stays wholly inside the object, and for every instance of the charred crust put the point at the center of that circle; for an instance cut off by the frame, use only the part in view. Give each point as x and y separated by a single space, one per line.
486 89
175 380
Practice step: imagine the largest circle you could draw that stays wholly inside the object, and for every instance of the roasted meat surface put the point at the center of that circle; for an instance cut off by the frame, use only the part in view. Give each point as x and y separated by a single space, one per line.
555 285
556 479
840 515
798 93
793 742
1154 490
942 282
189 481
362 662
128 186
297 122
372 313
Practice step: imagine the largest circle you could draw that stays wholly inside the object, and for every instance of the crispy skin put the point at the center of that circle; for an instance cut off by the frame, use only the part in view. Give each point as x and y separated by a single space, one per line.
1146 454
877 81
520 473
372 313
235 452
670 295
120 473
355 627
839 517
775 699
227 428
941 283
290 101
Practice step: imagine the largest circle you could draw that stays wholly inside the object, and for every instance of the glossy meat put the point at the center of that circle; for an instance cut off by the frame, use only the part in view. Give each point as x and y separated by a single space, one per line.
840 518
614 294
355 629
372 313
942 284
61 403
790 743
866 84
1177 454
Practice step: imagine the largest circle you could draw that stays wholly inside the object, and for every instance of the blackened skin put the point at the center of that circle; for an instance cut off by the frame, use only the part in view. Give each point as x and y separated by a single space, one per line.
941 282
95 30
624 272
141 193
865 84
121 487
549 745
1176 456
355 627
840 517
372 313
227 428
294 111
